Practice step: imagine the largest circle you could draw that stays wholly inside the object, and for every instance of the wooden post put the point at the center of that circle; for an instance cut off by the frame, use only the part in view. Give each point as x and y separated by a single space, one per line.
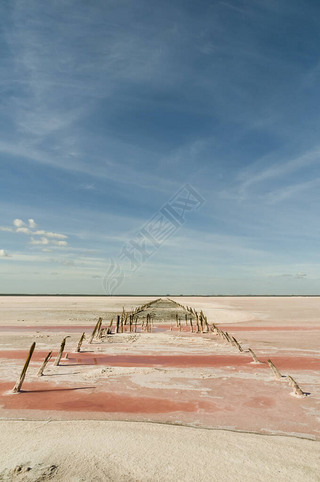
191 325
100 330
44 364
255 359
98 324
275 370
237 344
80 342
118 323
20 380
57 360
297 389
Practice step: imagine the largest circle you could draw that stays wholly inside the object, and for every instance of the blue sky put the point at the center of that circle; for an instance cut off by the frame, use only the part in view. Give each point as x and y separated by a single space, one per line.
109 107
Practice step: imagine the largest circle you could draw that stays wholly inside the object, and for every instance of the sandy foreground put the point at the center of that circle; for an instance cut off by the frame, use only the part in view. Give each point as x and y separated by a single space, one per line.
164 405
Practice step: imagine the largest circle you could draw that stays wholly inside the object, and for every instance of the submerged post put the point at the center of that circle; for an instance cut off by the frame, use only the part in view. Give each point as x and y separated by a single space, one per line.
20 381
44 364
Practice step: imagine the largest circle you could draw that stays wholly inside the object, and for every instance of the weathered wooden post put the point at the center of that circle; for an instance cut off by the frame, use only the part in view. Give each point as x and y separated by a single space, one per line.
80 342
275 370
255 359
20 380
237 344
297 389
118 323
96 328
57 360
44 364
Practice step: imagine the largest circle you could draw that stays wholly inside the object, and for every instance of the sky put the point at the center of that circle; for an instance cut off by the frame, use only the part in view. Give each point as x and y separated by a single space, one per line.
109 108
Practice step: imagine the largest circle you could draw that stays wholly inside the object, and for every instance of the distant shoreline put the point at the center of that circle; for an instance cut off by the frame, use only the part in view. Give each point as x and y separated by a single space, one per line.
160 295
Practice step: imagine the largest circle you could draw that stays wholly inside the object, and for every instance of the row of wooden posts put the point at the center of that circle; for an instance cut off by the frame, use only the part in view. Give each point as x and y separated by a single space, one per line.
131 319
98 332
202 325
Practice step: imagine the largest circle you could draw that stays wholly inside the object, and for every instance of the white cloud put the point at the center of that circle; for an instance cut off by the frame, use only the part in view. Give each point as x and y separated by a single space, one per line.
4 228
49 234
60 243
42 240
32 223
23 230
18 223
3 254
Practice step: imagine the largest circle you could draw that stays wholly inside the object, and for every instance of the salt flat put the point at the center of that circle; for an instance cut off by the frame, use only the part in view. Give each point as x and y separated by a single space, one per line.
194 387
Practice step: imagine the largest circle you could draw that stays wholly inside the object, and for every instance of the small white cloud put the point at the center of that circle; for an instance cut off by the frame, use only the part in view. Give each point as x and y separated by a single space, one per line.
49 234
60 243
301 275
32 223
4 228
42 240
3 254
18 223
23 230
46 250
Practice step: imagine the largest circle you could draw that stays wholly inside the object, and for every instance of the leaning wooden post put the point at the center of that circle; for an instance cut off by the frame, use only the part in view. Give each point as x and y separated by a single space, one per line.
191 325
44 364
57 360
297 389
275 370
80 342
254 356
237 344
98 324
19 383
